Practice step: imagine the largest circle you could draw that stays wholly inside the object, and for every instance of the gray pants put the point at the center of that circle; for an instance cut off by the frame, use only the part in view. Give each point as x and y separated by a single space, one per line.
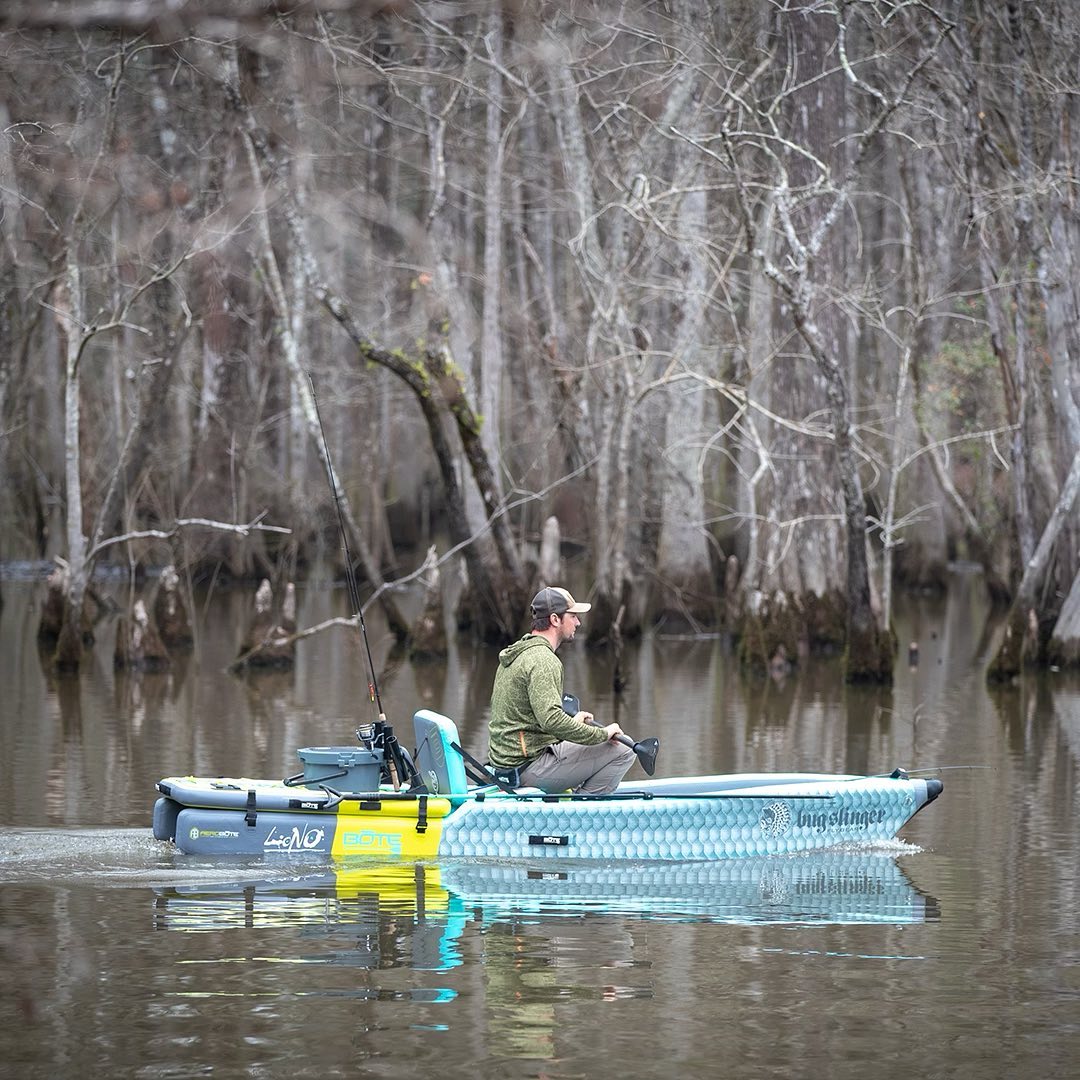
590 770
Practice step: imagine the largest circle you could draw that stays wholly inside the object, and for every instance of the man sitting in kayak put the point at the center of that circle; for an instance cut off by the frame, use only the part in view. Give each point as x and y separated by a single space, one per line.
532 741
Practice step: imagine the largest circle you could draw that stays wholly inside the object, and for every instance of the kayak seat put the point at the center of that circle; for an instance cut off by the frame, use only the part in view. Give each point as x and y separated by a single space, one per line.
441 768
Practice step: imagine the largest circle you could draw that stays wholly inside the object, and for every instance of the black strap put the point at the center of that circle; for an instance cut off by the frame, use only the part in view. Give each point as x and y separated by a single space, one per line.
485 775
421 815
403 763
251 816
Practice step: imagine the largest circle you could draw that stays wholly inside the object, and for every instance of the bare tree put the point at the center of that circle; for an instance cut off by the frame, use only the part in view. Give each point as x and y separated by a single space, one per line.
810 171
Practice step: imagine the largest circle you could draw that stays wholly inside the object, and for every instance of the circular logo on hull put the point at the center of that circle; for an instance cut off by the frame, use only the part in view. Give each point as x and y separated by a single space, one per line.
775 819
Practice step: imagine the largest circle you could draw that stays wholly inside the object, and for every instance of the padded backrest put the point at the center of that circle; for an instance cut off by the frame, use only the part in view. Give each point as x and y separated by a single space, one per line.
440 766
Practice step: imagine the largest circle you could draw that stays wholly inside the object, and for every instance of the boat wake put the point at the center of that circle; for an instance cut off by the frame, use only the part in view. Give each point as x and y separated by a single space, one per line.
116 857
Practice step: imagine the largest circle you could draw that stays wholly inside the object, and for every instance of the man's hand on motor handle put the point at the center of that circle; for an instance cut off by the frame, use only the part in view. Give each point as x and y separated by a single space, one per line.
612 730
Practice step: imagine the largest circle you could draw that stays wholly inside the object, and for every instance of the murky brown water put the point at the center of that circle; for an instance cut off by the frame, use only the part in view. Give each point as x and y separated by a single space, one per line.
952 954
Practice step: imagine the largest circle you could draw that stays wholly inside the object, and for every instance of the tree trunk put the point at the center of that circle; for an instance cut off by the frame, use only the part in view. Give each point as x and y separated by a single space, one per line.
490 374
452 314
1021 642
1014 249
922 560
869 651
69 645
1064 647
686 586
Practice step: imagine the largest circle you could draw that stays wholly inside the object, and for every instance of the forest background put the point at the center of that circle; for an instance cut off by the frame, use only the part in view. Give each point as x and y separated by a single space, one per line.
761 310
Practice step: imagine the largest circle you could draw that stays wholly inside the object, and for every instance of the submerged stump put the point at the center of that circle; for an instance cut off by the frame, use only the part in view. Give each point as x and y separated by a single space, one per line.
270 638
1064 646
138 645
54 606
869 655
428 640
771 629
171 613
1008 663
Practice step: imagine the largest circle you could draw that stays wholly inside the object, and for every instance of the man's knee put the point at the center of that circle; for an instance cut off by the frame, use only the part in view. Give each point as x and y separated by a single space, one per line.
615 753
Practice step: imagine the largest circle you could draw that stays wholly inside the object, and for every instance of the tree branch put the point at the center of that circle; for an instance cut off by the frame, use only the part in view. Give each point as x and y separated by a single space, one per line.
181 523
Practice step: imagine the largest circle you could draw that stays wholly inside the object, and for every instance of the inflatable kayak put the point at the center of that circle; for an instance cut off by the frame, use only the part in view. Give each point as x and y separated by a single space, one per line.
340 808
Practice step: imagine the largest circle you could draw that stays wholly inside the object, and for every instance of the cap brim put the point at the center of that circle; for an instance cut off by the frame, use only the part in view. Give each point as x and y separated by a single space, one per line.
579 608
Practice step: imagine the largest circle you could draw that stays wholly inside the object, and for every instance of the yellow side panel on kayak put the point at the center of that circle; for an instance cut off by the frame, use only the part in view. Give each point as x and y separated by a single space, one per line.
390 830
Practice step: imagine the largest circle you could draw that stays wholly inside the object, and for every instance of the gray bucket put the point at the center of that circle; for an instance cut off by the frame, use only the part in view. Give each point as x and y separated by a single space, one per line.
344 768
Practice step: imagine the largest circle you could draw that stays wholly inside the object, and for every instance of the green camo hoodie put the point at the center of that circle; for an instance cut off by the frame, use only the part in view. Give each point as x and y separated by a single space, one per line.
526 705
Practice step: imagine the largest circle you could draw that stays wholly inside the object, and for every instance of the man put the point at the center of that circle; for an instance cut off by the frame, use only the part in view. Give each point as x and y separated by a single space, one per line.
533 742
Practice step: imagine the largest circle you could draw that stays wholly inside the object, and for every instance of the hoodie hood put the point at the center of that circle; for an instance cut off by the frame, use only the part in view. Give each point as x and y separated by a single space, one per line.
529 641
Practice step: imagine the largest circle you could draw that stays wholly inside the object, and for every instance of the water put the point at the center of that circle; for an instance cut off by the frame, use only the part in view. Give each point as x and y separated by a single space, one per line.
951 953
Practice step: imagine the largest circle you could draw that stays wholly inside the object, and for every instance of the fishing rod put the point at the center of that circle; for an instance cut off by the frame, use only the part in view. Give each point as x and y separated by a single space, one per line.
350 574
397 760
